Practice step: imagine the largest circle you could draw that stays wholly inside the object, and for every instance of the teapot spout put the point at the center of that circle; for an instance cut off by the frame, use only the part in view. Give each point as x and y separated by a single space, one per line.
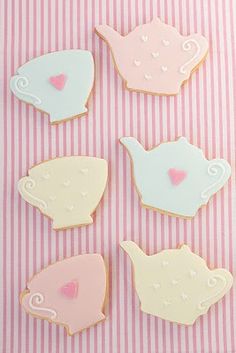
109 34
134 148
132 249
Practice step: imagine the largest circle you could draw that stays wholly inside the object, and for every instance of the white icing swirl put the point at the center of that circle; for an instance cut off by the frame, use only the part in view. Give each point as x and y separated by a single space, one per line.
21 82
212 170
38 299
186 46
211 283
30 184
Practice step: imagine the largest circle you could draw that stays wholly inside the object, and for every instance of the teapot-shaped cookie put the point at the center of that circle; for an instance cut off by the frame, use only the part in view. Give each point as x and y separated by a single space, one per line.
176 284
175 177
154 58
66 189
64 292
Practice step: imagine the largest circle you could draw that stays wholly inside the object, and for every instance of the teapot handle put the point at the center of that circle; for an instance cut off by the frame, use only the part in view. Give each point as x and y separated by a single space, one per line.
18 85
222 276
221 169
27 184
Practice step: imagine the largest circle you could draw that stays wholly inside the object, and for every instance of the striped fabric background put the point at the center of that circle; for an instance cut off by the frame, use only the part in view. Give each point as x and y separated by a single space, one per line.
204 112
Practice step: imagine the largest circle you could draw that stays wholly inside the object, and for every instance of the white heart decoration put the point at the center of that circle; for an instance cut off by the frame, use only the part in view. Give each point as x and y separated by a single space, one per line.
165 42
137 62
164 68
148 77
144 38
155 54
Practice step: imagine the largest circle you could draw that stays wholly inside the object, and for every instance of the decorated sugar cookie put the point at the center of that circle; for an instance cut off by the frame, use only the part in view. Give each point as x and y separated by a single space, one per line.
176 284
57 83
175 177
154 58
66 189
64 293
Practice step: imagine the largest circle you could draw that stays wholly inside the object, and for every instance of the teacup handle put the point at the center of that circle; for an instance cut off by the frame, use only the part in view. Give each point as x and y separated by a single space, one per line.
27 184
220 168
18 85
38 298
212 281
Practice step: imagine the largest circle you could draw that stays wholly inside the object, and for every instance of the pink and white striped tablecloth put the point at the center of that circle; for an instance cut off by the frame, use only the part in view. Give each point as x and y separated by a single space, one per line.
204 112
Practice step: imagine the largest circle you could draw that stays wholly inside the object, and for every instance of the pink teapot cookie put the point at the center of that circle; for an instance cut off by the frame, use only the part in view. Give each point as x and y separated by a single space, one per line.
155 58
70 292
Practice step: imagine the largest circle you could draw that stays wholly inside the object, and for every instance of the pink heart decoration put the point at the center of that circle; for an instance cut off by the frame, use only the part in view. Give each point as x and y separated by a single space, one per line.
70 289
58 81
176 176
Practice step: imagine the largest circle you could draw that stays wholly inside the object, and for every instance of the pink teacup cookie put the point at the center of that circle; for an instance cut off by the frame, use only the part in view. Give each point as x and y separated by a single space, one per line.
70 292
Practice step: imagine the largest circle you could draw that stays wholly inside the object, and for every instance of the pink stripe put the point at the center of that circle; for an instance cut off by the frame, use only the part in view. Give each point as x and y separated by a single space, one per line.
204 112
4 197
230 225
19 215
12 166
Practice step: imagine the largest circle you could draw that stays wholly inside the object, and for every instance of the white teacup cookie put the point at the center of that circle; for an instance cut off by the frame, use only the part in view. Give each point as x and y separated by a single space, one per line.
176 284
66 189
155 58
57 83
175 177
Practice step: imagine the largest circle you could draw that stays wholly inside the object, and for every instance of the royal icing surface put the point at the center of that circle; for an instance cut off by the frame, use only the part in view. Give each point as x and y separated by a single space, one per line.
157 58
176 284
66 189
175 177
57 83
64 292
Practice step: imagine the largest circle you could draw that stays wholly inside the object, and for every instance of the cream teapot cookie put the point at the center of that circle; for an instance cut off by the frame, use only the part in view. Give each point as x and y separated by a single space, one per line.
57 83
63 293
175 177
155 58
66 189
176 284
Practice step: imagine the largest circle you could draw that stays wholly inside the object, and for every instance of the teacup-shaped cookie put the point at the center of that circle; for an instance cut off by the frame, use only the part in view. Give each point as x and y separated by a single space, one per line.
66 189
176 284
70 292
57 83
